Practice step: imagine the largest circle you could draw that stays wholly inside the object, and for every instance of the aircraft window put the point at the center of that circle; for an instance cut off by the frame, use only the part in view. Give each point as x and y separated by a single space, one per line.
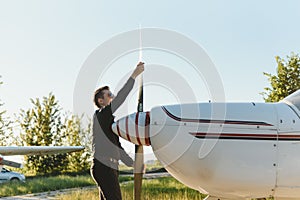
294 99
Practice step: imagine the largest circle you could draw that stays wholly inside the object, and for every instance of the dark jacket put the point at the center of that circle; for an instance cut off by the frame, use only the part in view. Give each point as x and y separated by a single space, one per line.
106 144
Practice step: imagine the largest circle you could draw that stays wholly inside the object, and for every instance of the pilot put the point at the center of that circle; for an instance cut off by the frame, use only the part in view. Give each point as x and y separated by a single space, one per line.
107 150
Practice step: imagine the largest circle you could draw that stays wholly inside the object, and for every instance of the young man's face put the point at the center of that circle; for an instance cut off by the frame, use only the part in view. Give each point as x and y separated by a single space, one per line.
107 98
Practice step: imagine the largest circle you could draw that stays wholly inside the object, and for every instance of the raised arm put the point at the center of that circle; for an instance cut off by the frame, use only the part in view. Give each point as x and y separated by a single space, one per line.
123 93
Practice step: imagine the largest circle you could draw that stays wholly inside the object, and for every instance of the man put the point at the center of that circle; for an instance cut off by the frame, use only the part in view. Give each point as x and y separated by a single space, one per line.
107 150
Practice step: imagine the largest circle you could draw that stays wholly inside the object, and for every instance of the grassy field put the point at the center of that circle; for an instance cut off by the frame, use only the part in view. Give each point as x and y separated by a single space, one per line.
159 189
36 185
44 184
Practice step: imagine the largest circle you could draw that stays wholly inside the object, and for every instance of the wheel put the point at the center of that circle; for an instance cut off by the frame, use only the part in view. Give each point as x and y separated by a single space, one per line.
15 180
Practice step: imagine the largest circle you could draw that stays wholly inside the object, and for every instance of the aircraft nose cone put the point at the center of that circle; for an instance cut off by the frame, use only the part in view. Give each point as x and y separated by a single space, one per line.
134 128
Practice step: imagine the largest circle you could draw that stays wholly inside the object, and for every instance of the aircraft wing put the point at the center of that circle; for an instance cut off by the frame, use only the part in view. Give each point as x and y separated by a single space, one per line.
32 150
38 150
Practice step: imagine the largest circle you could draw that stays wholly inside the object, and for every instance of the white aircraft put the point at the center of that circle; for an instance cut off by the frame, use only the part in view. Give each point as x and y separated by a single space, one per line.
32 150
225 150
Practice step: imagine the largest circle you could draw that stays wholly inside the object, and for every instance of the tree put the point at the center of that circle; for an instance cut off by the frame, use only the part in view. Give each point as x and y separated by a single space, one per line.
77 135
42 126
286 81
6 134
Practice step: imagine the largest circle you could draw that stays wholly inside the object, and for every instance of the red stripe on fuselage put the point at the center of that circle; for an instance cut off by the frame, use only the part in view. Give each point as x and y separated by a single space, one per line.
118 129
137 128
127 132
147 129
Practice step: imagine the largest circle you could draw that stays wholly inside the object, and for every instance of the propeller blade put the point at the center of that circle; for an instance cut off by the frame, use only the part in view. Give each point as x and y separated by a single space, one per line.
139 151
138 171
9 163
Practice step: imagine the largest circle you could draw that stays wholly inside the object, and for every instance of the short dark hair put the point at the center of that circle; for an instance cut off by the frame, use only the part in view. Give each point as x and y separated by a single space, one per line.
99 94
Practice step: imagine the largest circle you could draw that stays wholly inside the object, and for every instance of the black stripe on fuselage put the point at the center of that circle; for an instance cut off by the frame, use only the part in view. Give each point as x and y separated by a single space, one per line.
215 121
245 138
236 136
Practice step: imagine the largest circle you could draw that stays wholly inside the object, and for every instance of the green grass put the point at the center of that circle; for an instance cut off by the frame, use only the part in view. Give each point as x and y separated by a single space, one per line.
162 188
158 189
44 184
36 185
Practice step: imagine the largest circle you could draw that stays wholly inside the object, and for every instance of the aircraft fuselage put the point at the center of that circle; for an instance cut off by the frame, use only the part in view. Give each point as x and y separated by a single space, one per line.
229 150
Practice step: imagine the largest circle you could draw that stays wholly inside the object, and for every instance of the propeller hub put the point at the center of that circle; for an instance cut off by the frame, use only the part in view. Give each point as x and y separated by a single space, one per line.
134 128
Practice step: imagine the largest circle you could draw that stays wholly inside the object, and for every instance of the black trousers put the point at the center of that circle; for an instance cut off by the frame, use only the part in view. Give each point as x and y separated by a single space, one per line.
107 181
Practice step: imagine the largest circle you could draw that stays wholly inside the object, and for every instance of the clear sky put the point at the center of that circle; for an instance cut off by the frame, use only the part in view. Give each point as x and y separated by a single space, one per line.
43 44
